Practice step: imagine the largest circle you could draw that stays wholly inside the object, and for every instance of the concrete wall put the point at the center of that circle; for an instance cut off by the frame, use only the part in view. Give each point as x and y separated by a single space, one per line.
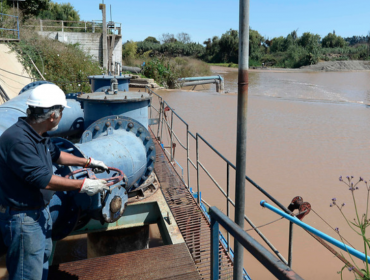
90 43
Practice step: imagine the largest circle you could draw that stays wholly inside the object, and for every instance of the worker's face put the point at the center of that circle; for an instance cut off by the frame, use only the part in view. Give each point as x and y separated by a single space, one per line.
55 121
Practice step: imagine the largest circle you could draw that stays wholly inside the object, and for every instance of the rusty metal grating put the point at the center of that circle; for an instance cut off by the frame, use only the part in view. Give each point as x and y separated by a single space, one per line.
165 262
193 225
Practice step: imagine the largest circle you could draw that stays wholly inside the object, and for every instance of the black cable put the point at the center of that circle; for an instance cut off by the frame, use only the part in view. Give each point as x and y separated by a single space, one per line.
16 74
59 82
331 227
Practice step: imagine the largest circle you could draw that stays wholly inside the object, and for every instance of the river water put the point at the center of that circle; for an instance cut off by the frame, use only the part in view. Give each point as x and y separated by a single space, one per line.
304 130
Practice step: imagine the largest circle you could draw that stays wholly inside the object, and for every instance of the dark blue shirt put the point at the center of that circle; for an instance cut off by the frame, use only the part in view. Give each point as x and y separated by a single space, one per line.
25 165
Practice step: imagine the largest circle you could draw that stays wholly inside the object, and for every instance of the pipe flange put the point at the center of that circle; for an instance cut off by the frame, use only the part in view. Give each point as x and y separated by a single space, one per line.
108 125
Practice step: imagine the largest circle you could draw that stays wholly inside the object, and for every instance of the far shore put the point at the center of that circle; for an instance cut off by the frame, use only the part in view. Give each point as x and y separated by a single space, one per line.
325 66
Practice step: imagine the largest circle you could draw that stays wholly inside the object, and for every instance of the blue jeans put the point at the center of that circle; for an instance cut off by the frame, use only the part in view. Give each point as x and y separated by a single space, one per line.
27 234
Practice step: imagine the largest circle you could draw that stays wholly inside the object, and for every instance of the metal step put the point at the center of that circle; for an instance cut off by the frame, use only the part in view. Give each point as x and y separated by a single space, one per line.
165 262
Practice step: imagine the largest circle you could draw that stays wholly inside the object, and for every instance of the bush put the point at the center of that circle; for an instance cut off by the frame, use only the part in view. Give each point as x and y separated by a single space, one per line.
65 65
166 71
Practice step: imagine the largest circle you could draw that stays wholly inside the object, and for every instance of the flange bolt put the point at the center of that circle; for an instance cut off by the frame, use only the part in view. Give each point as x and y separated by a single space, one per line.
140 130
147 138
107 124
151 148
152 158
97 128
130 125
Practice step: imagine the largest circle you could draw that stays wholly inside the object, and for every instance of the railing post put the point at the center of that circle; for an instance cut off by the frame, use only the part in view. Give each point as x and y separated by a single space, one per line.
41 28
187 154
171 136
93 27
197 157
18 26
163 112
85 26
227 202
159 117
290 252
62 26
214 248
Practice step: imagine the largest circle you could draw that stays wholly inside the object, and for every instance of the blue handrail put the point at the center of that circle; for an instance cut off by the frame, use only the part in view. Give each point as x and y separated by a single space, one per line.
324 236
7 29
273 264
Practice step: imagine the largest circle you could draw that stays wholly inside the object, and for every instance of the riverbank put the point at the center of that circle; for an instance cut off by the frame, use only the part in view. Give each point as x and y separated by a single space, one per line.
325 66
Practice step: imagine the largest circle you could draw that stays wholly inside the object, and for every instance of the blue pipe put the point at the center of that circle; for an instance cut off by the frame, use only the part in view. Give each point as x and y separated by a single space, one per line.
218 77
10 111
324 236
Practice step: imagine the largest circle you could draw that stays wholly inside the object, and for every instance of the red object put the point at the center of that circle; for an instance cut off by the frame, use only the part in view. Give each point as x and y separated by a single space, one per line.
91 175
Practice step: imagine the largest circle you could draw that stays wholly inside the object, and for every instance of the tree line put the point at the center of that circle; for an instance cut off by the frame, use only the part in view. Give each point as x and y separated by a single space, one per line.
284 51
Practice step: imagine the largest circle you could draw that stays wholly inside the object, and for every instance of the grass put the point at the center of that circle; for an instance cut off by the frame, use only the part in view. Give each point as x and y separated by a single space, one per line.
232 65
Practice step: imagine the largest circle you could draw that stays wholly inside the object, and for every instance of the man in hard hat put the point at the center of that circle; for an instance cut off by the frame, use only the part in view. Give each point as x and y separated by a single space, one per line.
26 171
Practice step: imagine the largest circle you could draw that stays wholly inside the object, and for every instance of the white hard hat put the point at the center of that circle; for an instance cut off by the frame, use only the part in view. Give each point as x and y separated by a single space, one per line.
46 96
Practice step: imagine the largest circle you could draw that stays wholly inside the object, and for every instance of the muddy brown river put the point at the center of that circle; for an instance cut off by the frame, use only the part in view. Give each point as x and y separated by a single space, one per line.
305 129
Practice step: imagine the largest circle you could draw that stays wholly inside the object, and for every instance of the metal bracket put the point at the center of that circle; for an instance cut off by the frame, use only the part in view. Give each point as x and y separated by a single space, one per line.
153 121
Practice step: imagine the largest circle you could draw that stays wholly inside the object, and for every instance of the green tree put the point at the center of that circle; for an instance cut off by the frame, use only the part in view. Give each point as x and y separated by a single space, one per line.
64 11
333 41
255 42
129 49
278 44
31 7
229 46
151 39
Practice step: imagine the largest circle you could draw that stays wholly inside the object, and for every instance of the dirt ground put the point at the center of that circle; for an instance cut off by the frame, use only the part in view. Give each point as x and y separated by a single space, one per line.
11 83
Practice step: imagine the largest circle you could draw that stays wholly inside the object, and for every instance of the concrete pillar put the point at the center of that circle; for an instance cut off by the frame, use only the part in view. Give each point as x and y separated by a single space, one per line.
104 37
117 241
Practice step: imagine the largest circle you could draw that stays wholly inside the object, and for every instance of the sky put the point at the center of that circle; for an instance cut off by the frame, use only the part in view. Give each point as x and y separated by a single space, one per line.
203 19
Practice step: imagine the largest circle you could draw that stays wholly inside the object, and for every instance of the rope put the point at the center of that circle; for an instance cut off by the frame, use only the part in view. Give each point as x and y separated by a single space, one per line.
331 227
269 223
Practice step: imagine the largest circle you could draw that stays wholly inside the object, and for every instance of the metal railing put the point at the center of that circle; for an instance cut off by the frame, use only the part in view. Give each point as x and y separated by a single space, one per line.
273 264
5 23
82 26
167 123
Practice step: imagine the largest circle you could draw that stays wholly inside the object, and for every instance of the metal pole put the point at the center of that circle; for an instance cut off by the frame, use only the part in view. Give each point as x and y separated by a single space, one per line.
290 252
171 148
241 143
187 154
197 157
215 263
104 37
227 202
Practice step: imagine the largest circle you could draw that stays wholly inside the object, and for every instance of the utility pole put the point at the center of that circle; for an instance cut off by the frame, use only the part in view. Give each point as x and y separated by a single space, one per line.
241 142
104 37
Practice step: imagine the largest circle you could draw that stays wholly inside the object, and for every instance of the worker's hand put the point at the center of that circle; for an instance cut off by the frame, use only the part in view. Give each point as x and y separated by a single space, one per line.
91 187
98 166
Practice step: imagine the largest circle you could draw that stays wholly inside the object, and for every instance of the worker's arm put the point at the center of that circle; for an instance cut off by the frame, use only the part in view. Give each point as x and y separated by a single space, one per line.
63 184
88 186
71 160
